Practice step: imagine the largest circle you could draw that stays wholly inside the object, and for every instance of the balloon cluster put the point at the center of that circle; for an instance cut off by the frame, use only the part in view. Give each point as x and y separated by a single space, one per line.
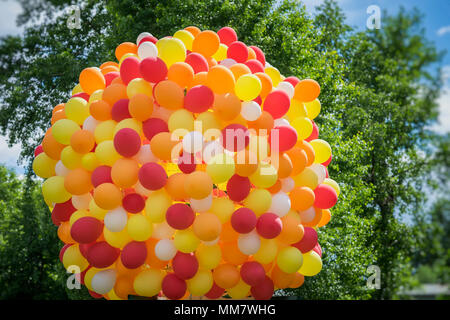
190 167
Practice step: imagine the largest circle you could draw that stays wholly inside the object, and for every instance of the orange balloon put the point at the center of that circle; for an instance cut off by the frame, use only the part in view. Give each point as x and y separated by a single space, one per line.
169 94
58 115
232 254
124 271
92 79
124 172
211 62
78 181
162 145
307 90
309 151
64 232
141 107
316 220
58 108
124 48
220 79
100 110
198 185
284 166
207 226
228 233
326 217
298 281
282 279
226 275
226 106
152 260
175 186
107 196
298 158
124 286
292 230
263 124
109 69
301 198
206 42
239 69
82 141
275 188
199 79
246 163
109 64
193 30
268 267
266 84
117 80
51 147
181 73
114 92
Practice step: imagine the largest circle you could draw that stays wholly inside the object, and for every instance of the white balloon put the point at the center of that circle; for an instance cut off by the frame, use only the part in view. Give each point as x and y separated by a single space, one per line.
103 281
81 202
163 231
60 169
211 149
165 249
115 220
227 62
145 155
281 204
147 49
249 243
90 124
142 36
286 87
307 215
250 110
161 113
193 142
320 171
281 122
287 184
201 205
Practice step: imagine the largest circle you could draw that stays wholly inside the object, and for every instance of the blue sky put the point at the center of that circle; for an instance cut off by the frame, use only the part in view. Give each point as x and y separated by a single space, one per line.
436 23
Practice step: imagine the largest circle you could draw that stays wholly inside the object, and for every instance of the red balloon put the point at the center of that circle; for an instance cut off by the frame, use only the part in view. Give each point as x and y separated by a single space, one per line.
286 138
110 76
199 99
86 230
62 211
153 69
133 203
133 254
186 162
83 95
119 110
63 249
173 287
84 248
314 134
95 295
252 273
269 225
237 51
327 163
227 35
259 55
243 220
238 188
38 150
215 292
326 196
258 100
102 255
101 174
263 290
292 80
277 103
235 137
153 126
180 216
127 142
326 174
197 62
152 176
308 241
129 69
254 65
185 265
318 249
148 38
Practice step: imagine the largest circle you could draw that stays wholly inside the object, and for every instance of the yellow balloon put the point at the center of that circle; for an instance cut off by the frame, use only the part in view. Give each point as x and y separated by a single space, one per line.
44 166
313 108
106 153
267 251
221 53
289 259
312 264
63 129
201 283
274 74
77 215
208 256
139 227
303 126
88 277
77 109
96 211
248 87
105 131
322 150
130 123
210 125
307 178
77 89
71 159
96 95
73 257
53 190
186 37
89 161
333 184
259 200
156 205
182 121
259 146
117 239
223 208
296 110
128 55
148 282
239 291
186 241
220 167
139 85
265 175
171 50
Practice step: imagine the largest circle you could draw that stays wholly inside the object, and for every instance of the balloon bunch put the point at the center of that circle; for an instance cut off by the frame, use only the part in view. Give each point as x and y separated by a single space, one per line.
190 167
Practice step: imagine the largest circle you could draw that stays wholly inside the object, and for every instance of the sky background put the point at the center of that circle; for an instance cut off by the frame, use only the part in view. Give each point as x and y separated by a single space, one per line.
436 23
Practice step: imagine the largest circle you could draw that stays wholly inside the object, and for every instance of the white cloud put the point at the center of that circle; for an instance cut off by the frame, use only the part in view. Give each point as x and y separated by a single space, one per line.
9 10
443 125
443 30
9 156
